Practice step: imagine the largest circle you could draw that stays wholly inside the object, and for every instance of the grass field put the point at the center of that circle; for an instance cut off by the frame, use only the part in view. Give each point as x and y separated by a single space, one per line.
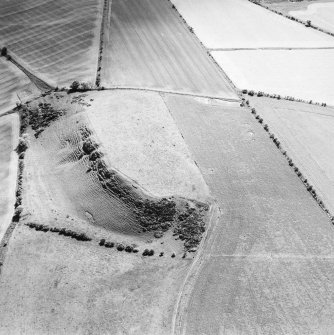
303 74
269 259
241 24
57 40
13 83
305 131
152 153
148 46
62 285
8 169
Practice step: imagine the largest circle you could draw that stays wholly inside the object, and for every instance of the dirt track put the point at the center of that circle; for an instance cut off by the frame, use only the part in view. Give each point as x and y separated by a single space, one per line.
270 259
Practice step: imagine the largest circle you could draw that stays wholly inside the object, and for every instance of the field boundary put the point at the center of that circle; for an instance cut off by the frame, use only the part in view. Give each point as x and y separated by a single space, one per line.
292 18
147 89
191 30
310 189
280 97
105 13
271 48
187 286
38 82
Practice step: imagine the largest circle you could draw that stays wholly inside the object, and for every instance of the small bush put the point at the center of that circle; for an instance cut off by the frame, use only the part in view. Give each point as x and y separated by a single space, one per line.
4 52
102 242
120 247
128 248
109 244
74 86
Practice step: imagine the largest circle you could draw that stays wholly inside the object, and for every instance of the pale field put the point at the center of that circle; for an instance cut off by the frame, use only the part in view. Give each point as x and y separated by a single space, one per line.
13 83
57 40
53 284
9 132
303 74
148 46
269 259
306 132
241 24
320 14
141 139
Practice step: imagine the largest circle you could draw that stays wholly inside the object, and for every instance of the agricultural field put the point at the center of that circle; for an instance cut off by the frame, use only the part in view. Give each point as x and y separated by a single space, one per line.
13 85
73 198
57 40
305 132
148 46
303 74
268 260
9 125
153 151
321 15
233 24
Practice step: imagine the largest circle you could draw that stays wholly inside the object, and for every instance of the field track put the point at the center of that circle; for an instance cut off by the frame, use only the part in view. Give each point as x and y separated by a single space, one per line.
149 46
13 83
58 40
271 253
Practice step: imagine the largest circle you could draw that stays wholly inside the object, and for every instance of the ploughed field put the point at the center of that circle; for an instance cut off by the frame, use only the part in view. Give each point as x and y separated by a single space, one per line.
148 46
57 40
268 262
14 84
242 24
302 74
306 133
9 129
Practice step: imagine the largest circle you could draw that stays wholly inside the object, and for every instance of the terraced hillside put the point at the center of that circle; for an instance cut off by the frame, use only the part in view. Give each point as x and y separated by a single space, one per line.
58 40
13 84
101 242
267 265
148 46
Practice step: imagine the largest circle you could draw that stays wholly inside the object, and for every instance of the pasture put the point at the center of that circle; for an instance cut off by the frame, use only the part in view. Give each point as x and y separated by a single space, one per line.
141 139
57 40
241 24
303 74
148 46
305 132
9 126
269 257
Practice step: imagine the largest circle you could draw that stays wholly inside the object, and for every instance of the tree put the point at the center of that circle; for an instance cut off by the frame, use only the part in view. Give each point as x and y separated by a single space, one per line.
4 52
75 86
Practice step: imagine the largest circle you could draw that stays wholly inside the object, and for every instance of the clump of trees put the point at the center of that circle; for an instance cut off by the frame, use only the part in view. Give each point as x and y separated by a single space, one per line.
76 86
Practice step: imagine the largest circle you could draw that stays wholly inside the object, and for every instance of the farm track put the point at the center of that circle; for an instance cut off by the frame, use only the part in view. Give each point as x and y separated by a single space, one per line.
147 89
39 83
